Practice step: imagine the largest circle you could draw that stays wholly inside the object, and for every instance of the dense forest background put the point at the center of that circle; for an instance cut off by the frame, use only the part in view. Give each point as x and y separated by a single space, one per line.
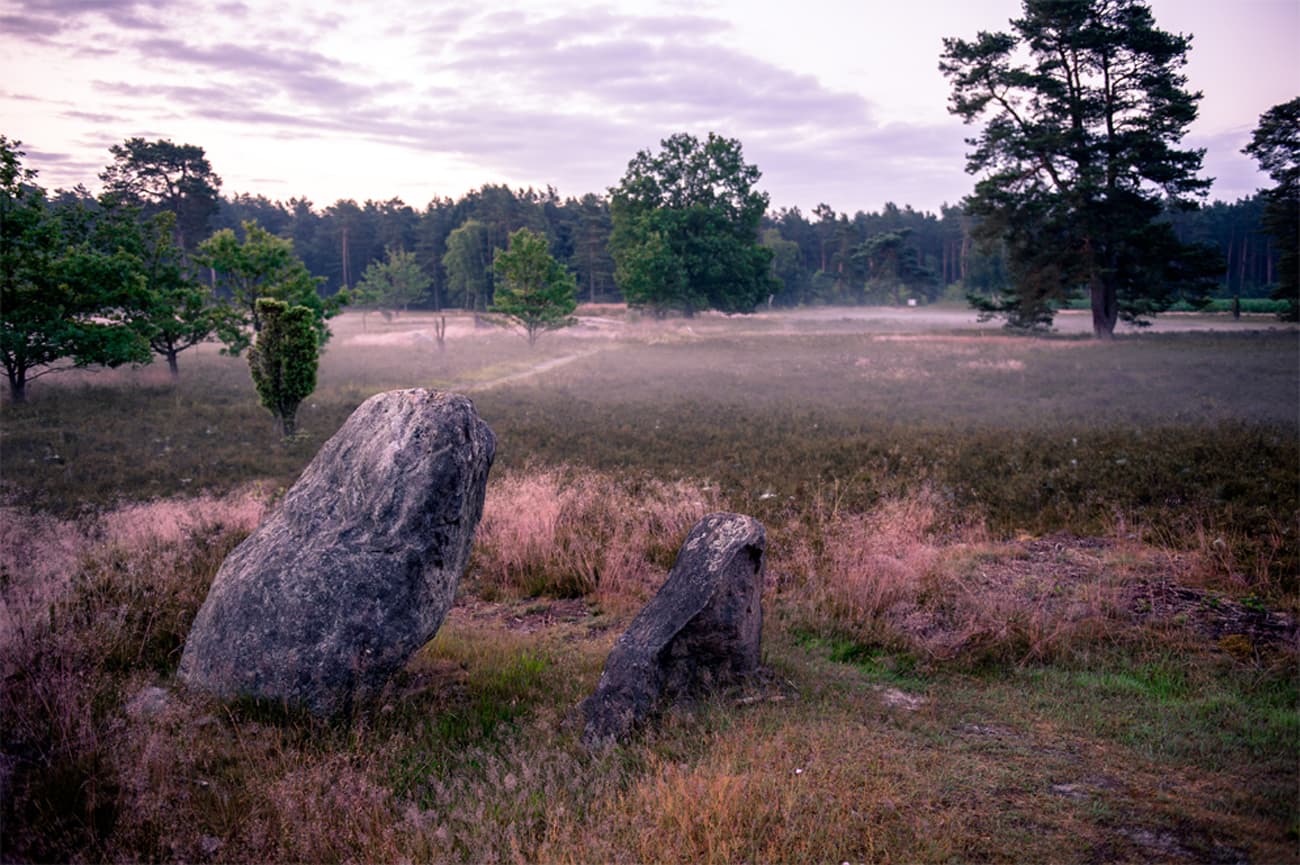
825 257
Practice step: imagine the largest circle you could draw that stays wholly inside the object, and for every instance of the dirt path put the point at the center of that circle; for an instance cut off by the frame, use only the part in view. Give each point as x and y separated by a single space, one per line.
536 369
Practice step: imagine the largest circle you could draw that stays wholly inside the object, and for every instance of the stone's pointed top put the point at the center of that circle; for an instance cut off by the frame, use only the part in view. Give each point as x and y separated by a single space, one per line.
357 567
722 534
702 628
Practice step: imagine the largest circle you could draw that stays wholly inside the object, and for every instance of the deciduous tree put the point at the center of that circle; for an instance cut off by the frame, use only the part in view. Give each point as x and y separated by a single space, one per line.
1086 106
394 283
787 267
685 228
468 261
533 290
66 288
892 264
178 311
261 265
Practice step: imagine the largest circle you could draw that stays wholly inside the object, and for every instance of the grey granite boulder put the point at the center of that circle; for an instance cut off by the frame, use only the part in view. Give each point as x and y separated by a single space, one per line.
702 629
359 564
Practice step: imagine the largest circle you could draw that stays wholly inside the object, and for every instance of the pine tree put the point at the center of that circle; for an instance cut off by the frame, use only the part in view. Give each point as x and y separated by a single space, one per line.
1086 106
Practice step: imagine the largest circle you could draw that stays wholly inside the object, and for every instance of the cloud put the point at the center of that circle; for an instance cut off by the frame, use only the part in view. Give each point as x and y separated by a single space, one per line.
301 74
59 169
89 117
1235 174
26 97
563 98
174 95
57 16
629 82
49 156
30 27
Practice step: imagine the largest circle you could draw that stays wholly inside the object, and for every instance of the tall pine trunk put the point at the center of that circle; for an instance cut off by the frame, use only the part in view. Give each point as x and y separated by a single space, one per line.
18 387
1105 306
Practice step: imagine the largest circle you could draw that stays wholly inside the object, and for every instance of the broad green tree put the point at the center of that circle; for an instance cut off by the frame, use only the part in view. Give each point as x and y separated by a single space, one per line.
1086 105
66 287
468 262
394 283
533 290
283 359
178 311
1275 145
261 265
162 175
685 228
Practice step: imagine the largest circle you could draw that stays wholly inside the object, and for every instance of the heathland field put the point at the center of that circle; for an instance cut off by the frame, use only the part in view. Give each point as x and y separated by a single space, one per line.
1028 599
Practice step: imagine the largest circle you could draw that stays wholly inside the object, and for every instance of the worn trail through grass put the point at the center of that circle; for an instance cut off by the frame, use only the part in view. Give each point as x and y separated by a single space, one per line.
536 369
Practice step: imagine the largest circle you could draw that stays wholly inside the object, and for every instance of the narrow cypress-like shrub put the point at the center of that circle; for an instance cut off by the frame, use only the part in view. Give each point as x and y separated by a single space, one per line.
284 358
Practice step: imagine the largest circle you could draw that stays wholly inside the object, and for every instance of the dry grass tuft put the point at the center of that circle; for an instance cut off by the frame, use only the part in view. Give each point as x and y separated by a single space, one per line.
768 791
563 533
854 568
132 551
908 576
83 631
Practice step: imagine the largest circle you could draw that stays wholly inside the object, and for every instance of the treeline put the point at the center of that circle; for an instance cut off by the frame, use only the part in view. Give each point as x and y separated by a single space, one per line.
825 257
340 241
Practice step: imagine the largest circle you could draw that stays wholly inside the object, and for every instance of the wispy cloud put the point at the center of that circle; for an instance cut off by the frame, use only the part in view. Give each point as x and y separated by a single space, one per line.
55 16
565 98
30 26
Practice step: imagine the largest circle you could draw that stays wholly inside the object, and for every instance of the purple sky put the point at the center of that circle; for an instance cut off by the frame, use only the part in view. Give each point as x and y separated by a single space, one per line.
836 102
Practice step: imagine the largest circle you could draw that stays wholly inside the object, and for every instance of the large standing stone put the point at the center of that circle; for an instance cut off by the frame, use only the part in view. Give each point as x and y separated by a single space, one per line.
701 629
357 567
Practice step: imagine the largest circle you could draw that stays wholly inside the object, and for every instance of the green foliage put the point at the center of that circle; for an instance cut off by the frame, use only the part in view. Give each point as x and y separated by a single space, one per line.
1245 306
176 311
787 266
1080 154
685 229
261 265
1275 144
533 289
468 261
66 284
163 176
893 264
394 283
283 360
589 229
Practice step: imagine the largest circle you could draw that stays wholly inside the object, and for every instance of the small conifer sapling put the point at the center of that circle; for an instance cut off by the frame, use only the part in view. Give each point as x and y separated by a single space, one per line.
284 358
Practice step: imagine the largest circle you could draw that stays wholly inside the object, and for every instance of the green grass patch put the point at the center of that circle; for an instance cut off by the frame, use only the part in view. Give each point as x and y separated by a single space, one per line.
1213 713
878 663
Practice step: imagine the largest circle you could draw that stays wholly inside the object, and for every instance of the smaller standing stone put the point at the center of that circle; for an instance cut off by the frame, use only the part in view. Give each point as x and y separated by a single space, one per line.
701 629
